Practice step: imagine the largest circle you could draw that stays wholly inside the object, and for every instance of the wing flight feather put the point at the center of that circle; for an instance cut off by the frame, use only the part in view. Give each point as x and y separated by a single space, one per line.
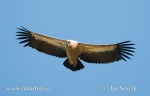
106 53
42 43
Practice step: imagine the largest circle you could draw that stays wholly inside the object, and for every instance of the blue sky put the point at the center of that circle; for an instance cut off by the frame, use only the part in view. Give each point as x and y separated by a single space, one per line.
88 21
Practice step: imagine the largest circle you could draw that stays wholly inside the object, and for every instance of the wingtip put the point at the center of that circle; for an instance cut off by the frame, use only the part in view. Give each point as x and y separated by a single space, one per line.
23 29
126 49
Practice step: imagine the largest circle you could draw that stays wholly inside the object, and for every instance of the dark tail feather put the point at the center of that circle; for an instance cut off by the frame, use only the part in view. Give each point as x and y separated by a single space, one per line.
76 68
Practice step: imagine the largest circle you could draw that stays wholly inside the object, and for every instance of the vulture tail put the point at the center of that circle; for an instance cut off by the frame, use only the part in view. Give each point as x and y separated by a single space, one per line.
71 67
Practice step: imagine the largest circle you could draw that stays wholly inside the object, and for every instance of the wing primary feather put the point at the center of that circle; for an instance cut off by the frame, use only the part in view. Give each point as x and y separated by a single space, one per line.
23 29
22 38
127 47
22 35
23 32
24 41
128 50
123 58
124 42
126 53
26 44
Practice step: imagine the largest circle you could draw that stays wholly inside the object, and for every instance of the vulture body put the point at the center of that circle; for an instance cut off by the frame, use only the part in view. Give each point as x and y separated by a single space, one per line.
74 50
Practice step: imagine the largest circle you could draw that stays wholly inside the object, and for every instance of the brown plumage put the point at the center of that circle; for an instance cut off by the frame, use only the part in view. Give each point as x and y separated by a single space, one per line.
74 50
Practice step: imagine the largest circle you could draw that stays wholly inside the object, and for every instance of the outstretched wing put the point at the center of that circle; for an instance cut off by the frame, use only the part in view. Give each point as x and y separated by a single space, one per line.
106 53
42 43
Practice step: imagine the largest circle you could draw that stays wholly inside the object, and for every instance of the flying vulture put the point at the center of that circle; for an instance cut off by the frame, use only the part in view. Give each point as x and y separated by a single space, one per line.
74 50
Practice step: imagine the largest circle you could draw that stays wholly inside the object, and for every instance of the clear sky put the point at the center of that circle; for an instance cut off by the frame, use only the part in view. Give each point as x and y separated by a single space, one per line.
88 21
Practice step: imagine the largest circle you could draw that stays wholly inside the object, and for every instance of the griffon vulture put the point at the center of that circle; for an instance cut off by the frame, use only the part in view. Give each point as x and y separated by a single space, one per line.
74 50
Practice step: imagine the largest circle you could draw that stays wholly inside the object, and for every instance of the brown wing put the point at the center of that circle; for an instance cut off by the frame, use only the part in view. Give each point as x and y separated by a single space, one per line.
106 53
42 43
